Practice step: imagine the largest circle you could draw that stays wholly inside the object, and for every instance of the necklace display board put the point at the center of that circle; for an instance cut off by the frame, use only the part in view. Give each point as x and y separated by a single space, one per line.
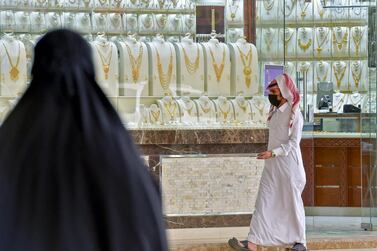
322 42
242 110
218 68
38 23
356 12
260 108
340 41
306 68
340 14
189 23
289 10
369 103
146 23
106 63
225 110
355 99
287 43
175 23
13 66
339 100
305 43
155 115
269 10
234 34
161 21
131 22
304 10
359 41
53 20
191 67
358 76
234 12
23 21
321 14
170 110
340 75
164 69
134 67
188 111
322 73
269 43
245 67
84 22
206 110
115 23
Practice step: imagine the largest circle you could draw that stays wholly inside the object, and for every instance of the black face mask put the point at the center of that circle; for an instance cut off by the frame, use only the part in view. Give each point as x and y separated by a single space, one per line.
273 98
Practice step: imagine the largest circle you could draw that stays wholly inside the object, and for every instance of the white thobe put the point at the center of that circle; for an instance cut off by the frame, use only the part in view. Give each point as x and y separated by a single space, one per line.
279 216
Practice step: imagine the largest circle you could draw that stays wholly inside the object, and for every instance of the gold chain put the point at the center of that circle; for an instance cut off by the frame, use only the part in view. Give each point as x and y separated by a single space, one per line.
168 106
340 44
14 72
225 113
358 101
303 11
156 115
189 110
339 75
321 10
242 105
233 14
340 103
356 71
357 41
192 67
106 61
305 46
324 76
204 109
135 62
268 39
165 78
319 44
287 14
218 69
286 42
246 62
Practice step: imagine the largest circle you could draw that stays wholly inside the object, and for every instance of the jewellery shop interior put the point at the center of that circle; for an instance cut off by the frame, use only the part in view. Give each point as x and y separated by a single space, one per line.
188 79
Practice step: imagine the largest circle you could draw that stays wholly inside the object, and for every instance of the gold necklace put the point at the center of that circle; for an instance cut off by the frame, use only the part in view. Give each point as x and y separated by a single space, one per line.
268 38
118 2
102 2
324 75
304 46
321 10
234 12
268 5
135 62
165 78
106 61
192 67
259 108
357 35
303 11
156 115
14 72
168 108
340 102
161 3
356 71
225 113
188 109
343 41
290 8
218 69
161 22
242 104
324 39
246 62
339 74
147 24
357 101
286 42
304 68
205 109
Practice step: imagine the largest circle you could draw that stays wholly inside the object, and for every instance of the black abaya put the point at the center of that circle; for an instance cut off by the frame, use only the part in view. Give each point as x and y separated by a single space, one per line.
70 176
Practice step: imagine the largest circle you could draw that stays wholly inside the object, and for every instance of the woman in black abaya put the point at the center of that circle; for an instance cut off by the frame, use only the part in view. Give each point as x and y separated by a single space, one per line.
70 176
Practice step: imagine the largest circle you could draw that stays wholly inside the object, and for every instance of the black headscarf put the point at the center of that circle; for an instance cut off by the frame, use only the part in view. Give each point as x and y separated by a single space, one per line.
70 176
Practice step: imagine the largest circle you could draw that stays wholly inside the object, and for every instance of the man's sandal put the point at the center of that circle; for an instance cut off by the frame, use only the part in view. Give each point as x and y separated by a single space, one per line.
233 243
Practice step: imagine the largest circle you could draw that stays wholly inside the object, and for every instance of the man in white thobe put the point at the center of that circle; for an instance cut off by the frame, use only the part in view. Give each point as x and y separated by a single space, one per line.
279 217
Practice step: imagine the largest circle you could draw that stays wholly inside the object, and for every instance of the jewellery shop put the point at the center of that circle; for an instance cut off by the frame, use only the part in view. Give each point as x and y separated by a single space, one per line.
188 79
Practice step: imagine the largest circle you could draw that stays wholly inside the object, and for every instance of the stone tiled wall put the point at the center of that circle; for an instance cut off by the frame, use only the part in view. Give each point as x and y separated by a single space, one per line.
210 185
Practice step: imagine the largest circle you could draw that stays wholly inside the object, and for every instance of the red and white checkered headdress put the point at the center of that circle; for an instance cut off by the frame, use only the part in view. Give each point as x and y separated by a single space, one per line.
289 91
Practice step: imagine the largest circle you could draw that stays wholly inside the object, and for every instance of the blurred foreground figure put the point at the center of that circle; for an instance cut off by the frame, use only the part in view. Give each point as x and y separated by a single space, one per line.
70 176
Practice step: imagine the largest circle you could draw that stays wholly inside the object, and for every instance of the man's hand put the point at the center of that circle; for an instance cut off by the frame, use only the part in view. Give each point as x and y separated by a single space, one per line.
264 155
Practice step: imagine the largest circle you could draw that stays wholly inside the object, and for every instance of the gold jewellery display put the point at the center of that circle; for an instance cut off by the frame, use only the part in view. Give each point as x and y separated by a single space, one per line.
156 115
233 9
321 37
171 108
219 69
321 10
322 73
288 8
339 73
14 72
206 108
246 62
356 71
343 42
268 38
165 78
304 46
192 66
188 106
268 5
287 40
303 7
225 112
357 35
340 101
106 61
135 62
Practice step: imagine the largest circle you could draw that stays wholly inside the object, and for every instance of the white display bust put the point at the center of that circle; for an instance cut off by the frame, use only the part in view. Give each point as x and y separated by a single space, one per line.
102 3
269 10
289 9
206 110
259 109
190 23
234 12
176 4
340 13
242 110
155 115
358 76
359 41
339 100
290 69
304 10
132 3
134 68
84 23
287 42
358 13
189 111
7 21
13 65
86 3
117 3
100 22
269 42
340 41
53 20
340 75
322 42
39 3
355 99
162 22
218 68
303 68
305 42
245 67
147 4
115 23
69 20
163 67
320 13
170 110
225 110
369 103
131 22
234 34
23 21
146 23
71 3
105 55
322 73
175 23
191 75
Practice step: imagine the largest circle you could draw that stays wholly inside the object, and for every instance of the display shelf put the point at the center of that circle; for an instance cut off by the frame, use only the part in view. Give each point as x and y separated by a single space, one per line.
311 59
288 24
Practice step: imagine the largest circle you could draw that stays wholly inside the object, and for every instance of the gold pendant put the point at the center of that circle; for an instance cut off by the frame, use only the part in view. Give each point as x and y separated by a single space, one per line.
233 16
248 81
247 71
135 74
319 50
303 14
106 70
14 73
